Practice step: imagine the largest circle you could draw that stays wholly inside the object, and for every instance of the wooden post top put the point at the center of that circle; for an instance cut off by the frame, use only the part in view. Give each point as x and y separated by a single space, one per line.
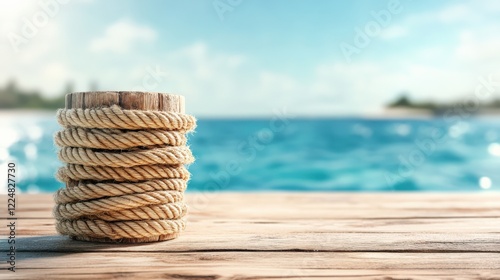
128 100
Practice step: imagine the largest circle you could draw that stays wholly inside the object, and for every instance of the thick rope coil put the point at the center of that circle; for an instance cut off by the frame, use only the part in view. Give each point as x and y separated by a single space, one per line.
115 117
115 139
116 203
124 174
150 212
87 191
121 174
118 230
167 155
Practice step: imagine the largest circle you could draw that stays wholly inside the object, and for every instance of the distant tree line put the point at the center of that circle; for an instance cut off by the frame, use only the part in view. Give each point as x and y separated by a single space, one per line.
404 101
13 97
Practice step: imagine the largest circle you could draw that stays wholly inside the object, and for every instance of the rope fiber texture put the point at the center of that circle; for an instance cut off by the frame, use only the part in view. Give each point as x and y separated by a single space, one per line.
124 173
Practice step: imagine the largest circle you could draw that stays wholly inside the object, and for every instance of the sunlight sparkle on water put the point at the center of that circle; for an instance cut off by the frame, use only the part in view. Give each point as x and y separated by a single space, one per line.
31 151
10 136
4 154
458 129
34 132
485 183
494 149
402 129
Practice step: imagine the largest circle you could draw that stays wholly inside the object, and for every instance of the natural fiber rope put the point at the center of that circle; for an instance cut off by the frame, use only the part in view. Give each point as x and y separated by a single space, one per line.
118 230
115 117
145 212
150 212
115 139
97 206
167 155
87 191
124 174
121 174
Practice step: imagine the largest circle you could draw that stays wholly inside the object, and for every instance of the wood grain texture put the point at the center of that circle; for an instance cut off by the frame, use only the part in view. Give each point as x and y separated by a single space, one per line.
130 100
281 236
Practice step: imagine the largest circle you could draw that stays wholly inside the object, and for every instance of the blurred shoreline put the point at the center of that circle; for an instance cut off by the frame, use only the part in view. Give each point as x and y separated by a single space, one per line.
386 114
22 112
409 113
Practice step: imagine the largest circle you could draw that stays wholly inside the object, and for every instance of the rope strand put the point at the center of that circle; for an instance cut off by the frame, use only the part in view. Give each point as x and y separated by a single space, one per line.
121 174
87 191
114 139
167 155
118 230
115 117
116 203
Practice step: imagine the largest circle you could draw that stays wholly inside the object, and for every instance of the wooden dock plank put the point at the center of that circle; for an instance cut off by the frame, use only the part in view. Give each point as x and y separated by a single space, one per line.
220 265
282 235
33 227
294 206
263 241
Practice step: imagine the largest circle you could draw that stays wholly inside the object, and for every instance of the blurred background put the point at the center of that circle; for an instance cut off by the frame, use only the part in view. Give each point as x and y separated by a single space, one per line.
290 95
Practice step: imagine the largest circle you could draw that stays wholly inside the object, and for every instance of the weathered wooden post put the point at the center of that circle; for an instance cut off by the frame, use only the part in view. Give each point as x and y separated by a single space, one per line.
124 155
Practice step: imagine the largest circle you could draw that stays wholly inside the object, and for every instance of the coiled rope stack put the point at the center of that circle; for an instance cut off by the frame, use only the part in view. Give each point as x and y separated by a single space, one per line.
124 155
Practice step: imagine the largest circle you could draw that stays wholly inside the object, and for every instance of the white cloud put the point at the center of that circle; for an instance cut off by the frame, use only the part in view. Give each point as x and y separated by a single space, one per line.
122 36
491 5
449 14
271 82
454 13
12 11
220 83
446 16
365 87
478 48
394 32
57 73
215 82
38 64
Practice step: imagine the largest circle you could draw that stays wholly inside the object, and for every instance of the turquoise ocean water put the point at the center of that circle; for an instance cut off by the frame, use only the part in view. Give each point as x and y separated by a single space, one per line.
338 154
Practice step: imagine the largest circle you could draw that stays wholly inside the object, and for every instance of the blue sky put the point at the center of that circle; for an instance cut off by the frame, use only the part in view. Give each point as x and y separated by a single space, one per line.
251 58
